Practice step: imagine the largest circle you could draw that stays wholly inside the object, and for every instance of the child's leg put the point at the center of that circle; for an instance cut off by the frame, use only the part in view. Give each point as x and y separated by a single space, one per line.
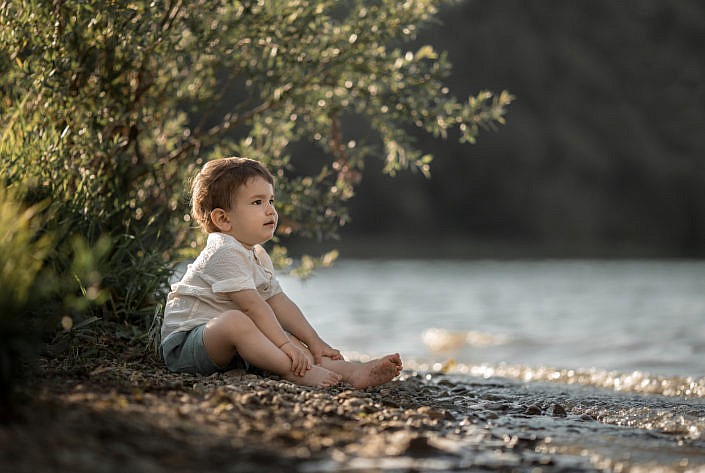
235 333
361 375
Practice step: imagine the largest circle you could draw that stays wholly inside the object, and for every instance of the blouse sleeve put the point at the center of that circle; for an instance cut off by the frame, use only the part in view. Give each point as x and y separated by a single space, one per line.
230 269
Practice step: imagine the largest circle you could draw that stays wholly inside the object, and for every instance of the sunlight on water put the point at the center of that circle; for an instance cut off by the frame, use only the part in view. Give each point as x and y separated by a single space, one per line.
439 340
632 382
637 382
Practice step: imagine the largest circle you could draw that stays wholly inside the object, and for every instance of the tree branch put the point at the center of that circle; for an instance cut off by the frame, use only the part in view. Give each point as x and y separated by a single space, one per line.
230 121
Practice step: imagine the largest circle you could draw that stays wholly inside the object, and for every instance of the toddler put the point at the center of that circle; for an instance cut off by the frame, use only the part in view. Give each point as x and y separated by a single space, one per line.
228 311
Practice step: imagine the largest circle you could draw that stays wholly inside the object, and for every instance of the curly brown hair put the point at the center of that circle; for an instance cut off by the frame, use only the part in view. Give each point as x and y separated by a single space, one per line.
216 183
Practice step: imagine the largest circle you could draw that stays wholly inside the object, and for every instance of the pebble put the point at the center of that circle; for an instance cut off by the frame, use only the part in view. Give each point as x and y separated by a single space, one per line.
559 411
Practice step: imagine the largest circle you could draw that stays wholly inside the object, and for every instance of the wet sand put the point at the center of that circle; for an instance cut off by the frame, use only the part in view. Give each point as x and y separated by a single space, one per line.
117 416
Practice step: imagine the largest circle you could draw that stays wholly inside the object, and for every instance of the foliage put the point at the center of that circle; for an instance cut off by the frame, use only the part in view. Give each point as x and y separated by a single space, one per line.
33 296
108 107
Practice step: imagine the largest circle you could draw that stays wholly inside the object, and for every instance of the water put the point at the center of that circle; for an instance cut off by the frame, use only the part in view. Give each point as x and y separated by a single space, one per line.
618 346
626 324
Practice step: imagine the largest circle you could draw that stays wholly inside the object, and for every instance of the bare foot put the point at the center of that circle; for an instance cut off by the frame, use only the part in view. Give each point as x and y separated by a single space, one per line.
375 372
317 376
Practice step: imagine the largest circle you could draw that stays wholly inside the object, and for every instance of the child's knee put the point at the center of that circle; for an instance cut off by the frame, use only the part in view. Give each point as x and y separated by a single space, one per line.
233 321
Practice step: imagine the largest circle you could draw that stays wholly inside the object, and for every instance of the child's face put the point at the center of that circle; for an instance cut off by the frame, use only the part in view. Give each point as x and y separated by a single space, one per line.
252 216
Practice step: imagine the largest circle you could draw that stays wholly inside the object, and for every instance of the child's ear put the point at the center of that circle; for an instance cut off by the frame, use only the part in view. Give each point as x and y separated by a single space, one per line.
221 220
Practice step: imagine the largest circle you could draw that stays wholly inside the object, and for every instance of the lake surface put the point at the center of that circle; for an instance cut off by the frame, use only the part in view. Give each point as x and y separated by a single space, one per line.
627 321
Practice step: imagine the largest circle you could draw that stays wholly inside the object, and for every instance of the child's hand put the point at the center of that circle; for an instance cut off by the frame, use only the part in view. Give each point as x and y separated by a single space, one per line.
319 350
299 362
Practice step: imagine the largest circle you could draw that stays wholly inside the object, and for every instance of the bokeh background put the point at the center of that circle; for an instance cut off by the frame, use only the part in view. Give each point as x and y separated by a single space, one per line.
603 154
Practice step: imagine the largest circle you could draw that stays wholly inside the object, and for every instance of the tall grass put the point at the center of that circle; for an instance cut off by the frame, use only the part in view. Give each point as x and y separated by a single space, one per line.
24 286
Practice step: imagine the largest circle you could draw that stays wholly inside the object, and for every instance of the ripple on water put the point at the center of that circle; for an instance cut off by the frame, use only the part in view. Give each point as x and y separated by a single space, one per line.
636 381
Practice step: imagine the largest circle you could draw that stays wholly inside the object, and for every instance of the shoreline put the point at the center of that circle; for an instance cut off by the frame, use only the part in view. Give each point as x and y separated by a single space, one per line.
115 414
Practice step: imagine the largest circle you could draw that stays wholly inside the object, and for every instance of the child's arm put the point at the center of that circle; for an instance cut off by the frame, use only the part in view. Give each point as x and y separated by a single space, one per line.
294 322
250 302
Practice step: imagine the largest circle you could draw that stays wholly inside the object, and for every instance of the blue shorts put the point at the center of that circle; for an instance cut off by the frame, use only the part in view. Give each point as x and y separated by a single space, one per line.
185 352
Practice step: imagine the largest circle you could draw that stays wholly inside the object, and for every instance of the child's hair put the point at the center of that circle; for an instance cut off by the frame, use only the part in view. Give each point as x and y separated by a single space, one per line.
214 186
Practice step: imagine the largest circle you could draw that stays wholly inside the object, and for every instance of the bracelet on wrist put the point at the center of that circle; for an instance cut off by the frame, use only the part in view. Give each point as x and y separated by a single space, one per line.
288 341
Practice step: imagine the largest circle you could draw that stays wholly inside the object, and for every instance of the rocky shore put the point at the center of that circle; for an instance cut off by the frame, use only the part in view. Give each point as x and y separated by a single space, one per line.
116 415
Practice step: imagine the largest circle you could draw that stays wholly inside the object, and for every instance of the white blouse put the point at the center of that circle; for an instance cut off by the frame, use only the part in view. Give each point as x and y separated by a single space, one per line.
223 266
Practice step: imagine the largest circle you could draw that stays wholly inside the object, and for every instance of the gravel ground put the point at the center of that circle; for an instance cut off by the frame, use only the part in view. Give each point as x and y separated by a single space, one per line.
127 413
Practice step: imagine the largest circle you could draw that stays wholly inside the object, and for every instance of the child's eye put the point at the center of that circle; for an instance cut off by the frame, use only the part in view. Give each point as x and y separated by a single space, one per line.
257 202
